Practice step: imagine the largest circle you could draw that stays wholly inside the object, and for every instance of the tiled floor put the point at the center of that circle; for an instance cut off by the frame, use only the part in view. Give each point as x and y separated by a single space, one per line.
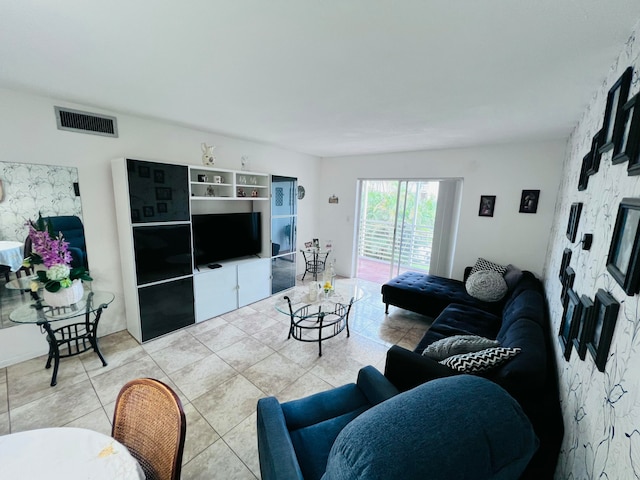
219 368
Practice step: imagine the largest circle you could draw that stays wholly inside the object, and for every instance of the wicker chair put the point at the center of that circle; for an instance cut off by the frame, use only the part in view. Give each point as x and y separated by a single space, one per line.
149 420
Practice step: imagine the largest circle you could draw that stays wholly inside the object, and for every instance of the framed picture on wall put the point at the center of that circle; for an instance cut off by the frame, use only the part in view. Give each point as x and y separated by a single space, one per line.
605 315
624 251
487 205
574 219
567 283
628 139
583 180
584 324
594 163
529 201
569 325
616 98
566 259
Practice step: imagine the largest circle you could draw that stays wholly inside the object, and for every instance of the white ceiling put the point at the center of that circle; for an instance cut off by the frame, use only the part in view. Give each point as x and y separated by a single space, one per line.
325 77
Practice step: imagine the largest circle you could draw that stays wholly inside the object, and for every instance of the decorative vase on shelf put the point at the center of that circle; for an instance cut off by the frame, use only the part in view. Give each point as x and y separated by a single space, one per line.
65 296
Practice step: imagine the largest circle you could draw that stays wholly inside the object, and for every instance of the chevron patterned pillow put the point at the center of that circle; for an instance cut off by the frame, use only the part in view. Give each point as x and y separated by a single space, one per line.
480 361
456 344
483 264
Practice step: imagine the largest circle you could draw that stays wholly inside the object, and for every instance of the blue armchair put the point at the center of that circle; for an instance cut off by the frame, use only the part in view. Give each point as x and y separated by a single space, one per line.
73 232
463 427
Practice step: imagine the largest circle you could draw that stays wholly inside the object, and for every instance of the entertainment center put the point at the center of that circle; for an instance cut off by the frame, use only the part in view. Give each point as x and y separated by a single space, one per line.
194 242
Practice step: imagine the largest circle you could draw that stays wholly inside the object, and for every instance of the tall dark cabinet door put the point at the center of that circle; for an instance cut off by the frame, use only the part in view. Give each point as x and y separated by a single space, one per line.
158 192
166 307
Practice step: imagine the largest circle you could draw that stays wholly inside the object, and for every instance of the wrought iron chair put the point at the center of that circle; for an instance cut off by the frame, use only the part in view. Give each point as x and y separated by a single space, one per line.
316 264
149 420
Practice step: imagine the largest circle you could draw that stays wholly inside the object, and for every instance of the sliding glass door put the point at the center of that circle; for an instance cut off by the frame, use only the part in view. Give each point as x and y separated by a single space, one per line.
398 223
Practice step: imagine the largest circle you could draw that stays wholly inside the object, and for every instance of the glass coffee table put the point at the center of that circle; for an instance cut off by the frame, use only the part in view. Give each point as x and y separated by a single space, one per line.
320 318
70 339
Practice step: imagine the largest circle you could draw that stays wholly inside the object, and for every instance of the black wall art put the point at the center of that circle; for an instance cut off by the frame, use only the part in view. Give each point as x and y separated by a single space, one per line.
616 99
622 261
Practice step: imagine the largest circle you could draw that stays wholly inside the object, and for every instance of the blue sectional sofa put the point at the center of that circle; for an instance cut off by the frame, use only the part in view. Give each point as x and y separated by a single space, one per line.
519 320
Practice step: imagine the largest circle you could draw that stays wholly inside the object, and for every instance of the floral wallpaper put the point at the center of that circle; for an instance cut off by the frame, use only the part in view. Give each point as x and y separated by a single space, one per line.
601 409
29 189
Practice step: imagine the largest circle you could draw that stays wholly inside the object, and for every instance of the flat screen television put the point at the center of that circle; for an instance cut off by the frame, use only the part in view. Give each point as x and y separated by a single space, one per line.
221 236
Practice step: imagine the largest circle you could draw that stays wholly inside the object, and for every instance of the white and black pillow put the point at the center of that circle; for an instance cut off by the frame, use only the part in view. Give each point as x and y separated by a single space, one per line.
486 285
483 264
457 344
480 361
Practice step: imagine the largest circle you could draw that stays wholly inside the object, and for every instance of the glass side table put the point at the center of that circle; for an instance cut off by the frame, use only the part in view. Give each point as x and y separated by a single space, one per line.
71 339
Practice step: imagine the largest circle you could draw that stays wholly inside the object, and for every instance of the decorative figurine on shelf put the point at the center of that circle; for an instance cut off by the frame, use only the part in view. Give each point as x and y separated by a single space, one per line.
207 155
254 193
241 192
210 191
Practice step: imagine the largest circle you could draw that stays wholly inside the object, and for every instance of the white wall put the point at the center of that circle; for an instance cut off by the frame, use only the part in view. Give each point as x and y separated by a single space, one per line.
28 133
504 171
601 409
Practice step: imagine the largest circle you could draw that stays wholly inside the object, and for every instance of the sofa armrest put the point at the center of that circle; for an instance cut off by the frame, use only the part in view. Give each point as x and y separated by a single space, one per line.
277 457
375 386
407 369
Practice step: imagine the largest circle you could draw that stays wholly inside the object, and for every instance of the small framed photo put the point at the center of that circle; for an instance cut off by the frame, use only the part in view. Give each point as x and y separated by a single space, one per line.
583 179
616 98
162 207
569 325
316 243
574 220
158 176
596 143
567 283
624 252
566 260
163 193
529 201
148 211
584 323
605 315
487 205
629 146
144 171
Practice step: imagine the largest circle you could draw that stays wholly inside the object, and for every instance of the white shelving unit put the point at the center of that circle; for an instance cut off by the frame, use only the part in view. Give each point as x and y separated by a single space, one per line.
213 184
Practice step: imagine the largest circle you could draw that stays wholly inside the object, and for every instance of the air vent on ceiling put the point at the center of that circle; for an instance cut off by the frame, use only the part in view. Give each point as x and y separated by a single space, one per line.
86 122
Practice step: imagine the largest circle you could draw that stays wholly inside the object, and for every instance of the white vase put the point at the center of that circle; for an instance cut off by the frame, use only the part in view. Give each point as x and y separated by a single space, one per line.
65 296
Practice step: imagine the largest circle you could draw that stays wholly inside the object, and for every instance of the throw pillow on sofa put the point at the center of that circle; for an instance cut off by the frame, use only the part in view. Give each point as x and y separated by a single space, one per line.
480 361
483 264
486 285
457 344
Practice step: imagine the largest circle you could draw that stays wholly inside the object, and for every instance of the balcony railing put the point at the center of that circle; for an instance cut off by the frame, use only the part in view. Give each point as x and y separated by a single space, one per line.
413 245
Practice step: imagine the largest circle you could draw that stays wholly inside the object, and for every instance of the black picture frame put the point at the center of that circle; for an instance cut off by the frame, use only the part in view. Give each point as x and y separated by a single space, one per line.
584 324
162 207
624 252
158 176
616 98
603 323
566 259
574 220
567 283
594 163
144 171
163 193
148 211
583 179
529 201
570 323
627 141
487 205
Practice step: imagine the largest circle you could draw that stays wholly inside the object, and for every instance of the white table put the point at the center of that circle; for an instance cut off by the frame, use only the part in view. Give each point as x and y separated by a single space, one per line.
66 453
11 254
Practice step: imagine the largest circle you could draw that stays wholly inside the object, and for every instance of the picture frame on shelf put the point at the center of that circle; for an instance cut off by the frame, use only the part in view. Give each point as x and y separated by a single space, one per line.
566 259
583 179
624 251
628 140
567 283
605 316
584 324
569 324
529 201
616 98
487 205
574 220
596 143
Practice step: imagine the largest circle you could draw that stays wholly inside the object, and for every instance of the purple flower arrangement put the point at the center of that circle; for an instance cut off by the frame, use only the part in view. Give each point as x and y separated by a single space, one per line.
52 251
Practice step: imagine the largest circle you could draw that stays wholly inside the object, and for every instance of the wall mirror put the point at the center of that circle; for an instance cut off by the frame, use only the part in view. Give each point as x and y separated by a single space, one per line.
25 190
